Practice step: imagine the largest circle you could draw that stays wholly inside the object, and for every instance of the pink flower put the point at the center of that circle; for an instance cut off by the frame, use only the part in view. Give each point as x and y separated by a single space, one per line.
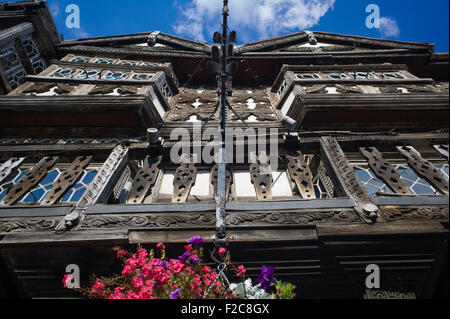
121 253
99 288
118 293
68 278
222 252
241 270
161 245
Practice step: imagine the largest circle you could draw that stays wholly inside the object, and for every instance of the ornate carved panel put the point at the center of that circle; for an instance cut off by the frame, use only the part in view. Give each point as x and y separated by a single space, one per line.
145 179
339 164
9 166
385 171
381 294
262 178
291 218
214 177
301 174
31 179
103 180
150 221
185 177
415 213
424 169
67 179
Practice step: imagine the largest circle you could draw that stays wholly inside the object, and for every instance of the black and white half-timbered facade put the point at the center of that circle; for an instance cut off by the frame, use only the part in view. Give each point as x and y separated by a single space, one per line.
362 179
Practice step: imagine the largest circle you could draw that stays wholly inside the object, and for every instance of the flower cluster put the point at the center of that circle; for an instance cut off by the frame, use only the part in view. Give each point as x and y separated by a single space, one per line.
146 275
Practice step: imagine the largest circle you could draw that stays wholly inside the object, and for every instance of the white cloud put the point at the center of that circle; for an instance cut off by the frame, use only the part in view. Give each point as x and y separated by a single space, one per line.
389 27
200 18
54 9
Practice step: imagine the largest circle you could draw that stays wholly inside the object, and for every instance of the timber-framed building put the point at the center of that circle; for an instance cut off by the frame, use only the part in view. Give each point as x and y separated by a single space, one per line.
364 179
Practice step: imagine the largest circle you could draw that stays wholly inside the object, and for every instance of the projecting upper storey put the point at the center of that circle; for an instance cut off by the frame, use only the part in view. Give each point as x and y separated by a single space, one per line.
121 85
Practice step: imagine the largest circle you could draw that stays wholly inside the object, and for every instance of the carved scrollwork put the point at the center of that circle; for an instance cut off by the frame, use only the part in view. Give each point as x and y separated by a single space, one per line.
31 179
185 177
290 218
145 179
149 221
301 174
381 294
384 170
28 225
67 180
424 169
411 213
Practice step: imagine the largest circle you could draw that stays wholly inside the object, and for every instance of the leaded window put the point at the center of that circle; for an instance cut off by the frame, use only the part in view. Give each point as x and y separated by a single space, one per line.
11 64
33 54
115 75
81 59
142 76
417 185
63 73
308 76
39 192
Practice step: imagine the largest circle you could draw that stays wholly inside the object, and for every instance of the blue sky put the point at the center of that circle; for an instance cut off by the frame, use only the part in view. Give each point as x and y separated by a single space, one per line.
405 20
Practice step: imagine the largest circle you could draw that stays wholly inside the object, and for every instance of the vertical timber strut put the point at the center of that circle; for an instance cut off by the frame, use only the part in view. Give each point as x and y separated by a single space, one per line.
221 197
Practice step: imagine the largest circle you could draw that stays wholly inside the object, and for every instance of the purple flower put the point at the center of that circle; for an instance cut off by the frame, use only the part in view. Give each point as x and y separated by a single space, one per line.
266 277
196 240
164 264
175 294
194 260
185 256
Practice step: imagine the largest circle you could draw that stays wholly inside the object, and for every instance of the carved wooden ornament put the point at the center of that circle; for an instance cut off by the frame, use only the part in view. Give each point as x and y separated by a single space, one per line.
301 174
185 177
67 180
31 179
262 179
424 169
385 171
145 180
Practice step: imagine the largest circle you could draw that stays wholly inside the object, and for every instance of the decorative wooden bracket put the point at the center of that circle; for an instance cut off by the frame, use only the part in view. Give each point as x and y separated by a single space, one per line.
346 181
214 177
424 169
185 177
67 179
31 179
145 180
301 174
385 171
10 165
262 178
